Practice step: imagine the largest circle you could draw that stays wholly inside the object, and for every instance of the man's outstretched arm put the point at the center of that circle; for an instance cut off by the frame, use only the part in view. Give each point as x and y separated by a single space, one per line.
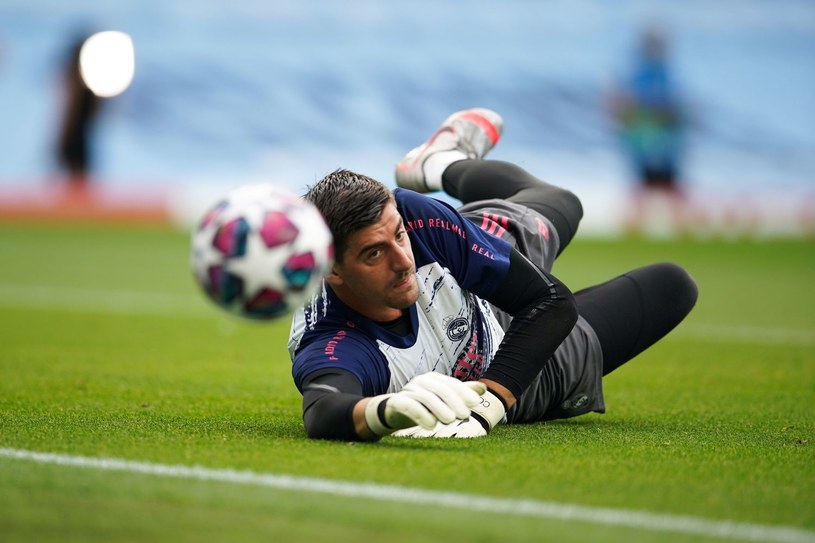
333 407
543 313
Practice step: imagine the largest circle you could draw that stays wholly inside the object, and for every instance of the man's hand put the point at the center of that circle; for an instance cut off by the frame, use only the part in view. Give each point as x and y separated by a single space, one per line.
487 414
426 400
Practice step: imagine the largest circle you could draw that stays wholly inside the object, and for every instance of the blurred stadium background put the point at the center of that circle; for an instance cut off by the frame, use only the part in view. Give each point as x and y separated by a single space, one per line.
230 92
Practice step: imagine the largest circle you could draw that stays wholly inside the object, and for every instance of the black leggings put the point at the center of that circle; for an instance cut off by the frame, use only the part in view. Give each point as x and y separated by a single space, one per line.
473 180
632 311
628 313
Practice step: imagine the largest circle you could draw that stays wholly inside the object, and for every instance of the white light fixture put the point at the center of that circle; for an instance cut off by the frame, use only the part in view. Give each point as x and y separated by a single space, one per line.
107 62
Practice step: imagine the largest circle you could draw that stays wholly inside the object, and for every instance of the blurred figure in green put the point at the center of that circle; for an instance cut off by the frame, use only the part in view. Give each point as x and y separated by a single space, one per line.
647 110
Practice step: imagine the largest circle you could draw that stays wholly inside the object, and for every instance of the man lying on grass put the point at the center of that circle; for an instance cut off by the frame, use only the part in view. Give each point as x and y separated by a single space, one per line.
442 322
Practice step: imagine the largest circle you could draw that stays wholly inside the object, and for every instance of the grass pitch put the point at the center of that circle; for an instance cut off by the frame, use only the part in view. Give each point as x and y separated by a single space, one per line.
108 350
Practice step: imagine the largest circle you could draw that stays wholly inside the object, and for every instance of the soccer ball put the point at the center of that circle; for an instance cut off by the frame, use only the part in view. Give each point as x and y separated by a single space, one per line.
261 252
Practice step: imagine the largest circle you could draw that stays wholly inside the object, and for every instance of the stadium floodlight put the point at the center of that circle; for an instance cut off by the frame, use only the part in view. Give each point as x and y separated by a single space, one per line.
107 63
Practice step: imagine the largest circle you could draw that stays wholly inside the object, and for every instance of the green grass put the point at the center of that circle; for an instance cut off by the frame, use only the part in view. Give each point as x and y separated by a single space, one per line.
108 350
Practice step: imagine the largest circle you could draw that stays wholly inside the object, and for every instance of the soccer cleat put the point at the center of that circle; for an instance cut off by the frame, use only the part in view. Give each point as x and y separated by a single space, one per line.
465 134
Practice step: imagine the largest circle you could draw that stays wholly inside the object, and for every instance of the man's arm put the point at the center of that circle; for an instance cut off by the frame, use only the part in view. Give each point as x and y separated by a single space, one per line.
544 313
329 400
333 407
543 309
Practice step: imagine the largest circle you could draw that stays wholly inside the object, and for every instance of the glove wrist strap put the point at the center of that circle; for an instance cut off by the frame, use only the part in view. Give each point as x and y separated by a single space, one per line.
375 416
490 412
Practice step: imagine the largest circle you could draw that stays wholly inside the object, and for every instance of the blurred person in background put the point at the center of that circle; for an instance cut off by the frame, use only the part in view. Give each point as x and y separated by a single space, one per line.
647 111
80 109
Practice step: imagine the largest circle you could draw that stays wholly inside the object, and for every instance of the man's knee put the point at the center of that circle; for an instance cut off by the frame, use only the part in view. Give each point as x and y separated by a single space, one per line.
571 204
678 289
562 207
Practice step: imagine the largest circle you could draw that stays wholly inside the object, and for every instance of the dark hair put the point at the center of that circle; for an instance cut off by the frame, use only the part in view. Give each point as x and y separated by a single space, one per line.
349 202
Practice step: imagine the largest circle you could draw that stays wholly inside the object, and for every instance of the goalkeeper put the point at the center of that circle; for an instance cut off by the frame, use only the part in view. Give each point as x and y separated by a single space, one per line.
443 322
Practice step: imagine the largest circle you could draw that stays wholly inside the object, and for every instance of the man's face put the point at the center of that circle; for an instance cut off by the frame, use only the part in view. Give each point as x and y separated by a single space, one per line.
378 275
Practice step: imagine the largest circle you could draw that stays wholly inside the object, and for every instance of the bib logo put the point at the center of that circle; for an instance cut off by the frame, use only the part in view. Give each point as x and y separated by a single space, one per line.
457 328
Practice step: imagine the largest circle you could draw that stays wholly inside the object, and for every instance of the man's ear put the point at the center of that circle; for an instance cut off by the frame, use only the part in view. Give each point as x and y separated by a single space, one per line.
333 277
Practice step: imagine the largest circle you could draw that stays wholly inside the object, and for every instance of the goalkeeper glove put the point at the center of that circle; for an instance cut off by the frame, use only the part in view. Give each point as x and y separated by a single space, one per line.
426 400
489 412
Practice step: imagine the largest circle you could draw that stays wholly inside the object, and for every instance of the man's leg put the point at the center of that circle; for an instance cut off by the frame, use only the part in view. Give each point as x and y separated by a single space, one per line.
475 180
619 319
633 311
450 160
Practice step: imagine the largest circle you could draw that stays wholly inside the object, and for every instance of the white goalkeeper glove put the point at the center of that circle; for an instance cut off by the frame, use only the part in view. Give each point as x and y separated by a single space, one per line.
485 416
426 400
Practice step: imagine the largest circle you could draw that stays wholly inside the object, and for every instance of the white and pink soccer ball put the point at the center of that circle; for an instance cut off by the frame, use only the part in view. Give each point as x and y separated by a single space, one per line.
261 251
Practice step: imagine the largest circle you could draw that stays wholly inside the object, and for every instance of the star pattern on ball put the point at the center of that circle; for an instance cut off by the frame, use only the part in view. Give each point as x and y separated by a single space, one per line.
259 268
205 255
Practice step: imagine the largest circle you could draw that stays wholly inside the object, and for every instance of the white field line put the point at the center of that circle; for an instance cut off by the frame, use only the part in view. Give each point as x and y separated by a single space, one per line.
638 520
123 302
747 334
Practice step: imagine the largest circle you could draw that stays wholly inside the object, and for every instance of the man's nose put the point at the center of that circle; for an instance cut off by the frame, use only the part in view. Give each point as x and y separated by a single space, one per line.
402 260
